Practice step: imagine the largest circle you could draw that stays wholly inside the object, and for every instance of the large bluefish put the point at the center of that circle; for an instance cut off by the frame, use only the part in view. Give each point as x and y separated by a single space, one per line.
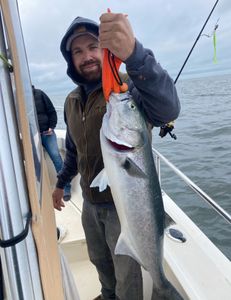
131 174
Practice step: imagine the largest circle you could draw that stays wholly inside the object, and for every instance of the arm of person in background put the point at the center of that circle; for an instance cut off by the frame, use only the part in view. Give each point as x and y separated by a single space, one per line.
150 85
51 113
68 172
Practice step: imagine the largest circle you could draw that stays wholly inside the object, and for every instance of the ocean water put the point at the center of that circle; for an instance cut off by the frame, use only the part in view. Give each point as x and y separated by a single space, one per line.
202 151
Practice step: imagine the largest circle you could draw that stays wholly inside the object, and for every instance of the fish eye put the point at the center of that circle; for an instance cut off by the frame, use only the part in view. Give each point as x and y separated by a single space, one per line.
132 105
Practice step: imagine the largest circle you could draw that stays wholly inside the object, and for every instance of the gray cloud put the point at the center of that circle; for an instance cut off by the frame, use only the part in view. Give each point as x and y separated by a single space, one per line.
168 27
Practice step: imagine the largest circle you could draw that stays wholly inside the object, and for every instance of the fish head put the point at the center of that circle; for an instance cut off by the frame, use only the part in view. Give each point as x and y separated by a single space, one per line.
123 124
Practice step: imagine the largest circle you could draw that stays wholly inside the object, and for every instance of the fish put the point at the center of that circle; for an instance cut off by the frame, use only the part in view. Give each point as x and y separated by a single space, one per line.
129 170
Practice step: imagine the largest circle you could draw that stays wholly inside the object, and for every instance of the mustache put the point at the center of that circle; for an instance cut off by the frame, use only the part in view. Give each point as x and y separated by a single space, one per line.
89 62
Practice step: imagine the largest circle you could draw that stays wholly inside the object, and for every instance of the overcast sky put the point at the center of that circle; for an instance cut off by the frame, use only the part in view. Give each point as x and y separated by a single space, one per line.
168 27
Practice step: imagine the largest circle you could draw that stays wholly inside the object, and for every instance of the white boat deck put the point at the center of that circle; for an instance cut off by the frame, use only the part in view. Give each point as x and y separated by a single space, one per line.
75 250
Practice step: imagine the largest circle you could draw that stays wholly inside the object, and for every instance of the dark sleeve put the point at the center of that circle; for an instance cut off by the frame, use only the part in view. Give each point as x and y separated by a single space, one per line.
152 87
70 168
50 110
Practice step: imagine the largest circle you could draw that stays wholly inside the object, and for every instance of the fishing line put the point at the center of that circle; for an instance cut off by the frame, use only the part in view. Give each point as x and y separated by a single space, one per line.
167 128
199 35
214 30
213 34
111 60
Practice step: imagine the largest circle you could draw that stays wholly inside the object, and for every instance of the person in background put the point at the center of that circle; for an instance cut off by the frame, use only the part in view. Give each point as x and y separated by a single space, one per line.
155 94
47 120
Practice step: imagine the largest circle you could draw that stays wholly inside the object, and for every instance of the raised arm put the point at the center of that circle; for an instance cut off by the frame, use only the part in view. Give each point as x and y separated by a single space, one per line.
151 86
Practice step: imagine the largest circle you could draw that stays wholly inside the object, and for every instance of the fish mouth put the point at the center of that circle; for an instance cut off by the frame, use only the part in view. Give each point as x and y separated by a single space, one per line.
114 141
120 147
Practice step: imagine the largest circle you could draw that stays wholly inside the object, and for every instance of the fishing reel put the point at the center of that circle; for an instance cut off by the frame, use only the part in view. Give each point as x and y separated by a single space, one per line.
167 128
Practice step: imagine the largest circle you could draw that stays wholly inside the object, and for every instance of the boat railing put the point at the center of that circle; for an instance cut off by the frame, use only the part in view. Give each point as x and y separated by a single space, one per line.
159 157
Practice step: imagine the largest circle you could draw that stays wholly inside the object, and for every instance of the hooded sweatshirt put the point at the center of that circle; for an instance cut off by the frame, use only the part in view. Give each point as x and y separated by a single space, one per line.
46 113
152 89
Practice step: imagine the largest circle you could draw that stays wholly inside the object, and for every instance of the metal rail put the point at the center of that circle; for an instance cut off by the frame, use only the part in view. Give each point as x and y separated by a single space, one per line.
190 183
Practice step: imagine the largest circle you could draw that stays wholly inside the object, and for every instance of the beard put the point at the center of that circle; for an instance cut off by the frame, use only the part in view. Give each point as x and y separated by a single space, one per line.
90 70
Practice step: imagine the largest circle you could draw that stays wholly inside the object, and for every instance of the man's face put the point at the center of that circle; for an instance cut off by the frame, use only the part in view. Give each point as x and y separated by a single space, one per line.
87 57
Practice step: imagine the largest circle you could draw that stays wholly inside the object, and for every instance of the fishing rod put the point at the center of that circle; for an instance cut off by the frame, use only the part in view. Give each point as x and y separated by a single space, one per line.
167 128
199 35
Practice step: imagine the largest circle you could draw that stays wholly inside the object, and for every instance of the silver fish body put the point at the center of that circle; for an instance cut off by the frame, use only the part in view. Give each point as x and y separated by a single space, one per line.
131 174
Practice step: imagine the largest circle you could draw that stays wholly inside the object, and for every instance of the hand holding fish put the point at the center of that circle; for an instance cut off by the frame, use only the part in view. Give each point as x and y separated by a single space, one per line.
115 34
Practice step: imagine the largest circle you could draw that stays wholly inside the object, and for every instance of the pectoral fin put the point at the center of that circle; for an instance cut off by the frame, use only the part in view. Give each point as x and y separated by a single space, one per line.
133 169
124 247
100 181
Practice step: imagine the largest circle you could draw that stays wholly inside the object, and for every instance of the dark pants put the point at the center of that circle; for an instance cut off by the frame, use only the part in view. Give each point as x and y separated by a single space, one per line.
120 275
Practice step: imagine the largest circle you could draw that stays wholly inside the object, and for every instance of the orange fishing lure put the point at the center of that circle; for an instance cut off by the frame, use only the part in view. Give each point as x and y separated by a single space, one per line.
111 80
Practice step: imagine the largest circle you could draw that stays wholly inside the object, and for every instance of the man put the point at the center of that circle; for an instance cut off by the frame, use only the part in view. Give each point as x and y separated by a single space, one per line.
47 120
155 94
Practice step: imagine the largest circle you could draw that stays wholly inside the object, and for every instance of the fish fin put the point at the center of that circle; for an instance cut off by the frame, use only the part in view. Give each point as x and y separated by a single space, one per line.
100 181
122 248
132 169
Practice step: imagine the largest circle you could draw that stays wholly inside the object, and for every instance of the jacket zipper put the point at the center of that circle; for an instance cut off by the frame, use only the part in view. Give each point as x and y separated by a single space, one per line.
85 136
83 117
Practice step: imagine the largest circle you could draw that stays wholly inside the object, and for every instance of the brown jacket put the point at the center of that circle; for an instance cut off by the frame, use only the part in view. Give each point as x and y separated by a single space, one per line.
84 123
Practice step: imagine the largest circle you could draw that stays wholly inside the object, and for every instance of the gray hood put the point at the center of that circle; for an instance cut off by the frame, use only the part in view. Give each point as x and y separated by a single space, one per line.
93 26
